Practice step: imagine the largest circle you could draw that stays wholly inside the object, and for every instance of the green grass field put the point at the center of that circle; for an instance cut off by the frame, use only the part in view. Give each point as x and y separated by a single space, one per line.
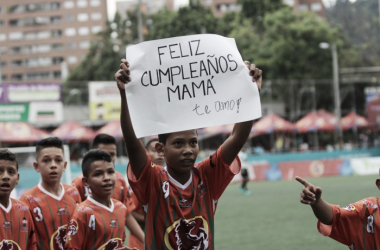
273 218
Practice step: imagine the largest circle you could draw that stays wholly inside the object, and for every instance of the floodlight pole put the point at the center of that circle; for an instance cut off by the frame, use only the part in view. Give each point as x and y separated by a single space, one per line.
337 92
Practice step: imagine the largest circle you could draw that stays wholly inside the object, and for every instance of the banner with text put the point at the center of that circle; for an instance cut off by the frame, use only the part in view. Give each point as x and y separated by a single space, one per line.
104 101
189 82
29 92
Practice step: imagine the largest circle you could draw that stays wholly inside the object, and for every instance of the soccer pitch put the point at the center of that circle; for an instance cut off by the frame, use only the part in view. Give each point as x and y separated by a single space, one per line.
273 218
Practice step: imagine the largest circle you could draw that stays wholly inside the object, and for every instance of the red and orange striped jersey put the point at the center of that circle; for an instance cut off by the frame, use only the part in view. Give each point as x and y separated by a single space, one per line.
17 228
181 216
95 226
356 225
133 241
120 192
51 214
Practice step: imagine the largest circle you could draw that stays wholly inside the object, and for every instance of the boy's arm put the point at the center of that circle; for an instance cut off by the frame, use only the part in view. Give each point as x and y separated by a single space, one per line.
134 227
138 217
135 148
241 131
312 195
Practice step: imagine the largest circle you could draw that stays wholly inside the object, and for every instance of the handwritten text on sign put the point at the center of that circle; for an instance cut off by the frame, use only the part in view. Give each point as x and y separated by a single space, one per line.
189 82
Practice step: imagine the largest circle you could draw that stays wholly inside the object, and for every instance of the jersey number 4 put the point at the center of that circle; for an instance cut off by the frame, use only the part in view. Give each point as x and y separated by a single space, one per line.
91 223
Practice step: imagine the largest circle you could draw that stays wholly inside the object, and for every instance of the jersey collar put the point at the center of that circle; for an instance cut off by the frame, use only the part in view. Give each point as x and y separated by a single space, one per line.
175 182
58 198
110 209
8 208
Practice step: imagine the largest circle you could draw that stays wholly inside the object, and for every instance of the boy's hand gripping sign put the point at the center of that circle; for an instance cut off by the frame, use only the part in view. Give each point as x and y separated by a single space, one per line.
189 82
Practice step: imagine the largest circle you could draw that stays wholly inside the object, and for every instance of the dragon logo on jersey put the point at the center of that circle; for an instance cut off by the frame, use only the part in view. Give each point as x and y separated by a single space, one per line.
189 234
112 244
9 245
72 228
58 239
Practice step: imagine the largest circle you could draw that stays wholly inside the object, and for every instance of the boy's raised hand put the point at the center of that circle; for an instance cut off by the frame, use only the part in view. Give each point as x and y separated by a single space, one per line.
122 76
310 194
256 73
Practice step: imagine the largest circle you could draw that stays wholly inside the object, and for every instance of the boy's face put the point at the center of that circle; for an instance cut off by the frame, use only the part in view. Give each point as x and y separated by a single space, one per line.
157 158
109 148
101 178
9 177
50 164
181 150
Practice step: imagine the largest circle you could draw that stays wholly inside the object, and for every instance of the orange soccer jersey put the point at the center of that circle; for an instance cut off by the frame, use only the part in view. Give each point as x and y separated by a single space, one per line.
356 225
51 214
17 229
120 192
133 241
95 226
182 216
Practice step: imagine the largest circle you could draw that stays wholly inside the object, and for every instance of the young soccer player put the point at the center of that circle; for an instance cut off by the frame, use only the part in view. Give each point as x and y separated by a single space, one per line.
138 213
120 192
356 225
51 203
98 222
180 200
17 229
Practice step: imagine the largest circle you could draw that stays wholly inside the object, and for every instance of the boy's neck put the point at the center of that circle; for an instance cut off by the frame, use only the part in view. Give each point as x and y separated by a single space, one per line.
104 200
4 200
179 176
53 188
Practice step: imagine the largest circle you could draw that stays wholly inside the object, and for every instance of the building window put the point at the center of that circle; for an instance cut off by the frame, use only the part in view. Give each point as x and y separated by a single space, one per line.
55 6
94 2
1 23
96 29
96 16
70 32
16 50
57 74
16 77
3 37
4 77
3 64
17 63
55 19
72 59
43 34
57 47
84 45
82 3
316 6
57 60
83 31
70 18
71 45
3 50
68 4
303 7
56 33
289 2
82 17
15 36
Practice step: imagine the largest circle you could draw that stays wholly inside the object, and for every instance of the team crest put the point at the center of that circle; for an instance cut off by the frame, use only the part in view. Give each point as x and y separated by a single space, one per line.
58 239
72 229
62 211
114 223
349 208
7 225
112 244
189 234
184 203
9 245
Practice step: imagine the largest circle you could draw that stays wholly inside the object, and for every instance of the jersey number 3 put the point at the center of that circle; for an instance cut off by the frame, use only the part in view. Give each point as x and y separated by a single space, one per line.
39 216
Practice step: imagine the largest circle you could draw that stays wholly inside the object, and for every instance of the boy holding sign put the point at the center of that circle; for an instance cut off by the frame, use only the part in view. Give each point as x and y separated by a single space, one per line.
180 200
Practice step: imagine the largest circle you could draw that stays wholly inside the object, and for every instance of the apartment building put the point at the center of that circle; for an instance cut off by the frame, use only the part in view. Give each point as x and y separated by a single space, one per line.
41 38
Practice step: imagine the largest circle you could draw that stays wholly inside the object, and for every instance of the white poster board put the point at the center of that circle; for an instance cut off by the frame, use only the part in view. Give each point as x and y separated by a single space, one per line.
187 83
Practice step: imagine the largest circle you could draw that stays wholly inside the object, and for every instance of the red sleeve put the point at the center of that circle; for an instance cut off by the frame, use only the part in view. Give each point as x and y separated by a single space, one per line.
346 222
141 187
76 232
77 183
218 173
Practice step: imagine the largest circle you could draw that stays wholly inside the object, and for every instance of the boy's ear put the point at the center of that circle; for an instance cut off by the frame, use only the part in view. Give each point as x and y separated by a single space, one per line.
64 166
378 183
85 182
18 178
35 165
159 147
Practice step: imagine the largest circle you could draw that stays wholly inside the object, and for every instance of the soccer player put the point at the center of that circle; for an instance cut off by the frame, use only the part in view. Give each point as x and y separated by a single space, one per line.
51 203
138 213
17 229
356 225
98 222
180 200
120 192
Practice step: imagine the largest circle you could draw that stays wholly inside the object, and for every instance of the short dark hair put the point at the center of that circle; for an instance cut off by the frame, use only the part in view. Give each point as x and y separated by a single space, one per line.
7 155
103 139
50 142
150 142
163 137
91 156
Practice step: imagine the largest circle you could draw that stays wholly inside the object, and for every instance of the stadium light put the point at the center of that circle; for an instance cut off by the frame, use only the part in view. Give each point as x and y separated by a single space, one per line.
338 114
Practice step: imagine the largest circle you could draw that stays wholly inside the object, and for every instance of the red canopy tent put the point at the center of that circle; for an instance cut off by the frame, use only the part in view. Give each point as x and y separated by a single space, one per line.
353 120
112 128
272 123
72 131
215 130
20 132
317 121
